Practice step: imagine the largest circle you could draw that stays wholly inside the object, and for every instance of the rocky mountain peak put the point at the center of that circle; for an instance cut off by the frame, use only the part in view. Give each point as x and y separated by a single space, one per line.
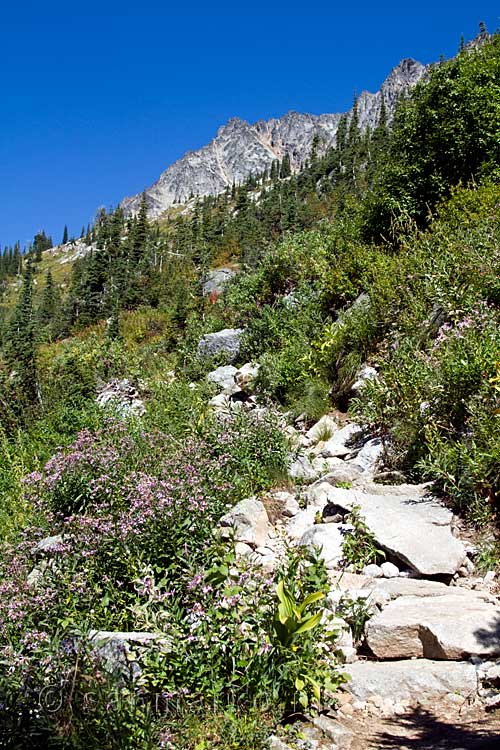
240 148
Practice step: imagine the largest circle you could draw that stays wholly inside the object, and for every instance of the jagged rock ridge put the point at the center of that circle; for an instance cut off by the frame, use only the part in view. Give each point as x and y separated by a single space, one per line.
241 149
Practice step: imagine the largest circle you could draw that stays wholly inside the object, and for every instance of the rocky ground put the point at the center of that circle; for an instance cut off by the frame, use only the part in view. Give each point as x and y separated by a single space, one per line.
424 670
419 633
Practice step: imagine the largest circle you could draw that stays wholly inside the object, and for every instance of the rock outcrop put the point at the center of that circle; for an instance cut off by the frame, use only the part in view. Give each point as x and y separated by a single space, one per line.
241 149
225 342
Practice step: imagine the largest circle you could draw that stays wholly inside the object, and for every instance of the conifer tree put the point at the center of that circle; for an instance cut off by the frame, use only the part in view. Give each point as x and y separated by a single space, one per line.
20 342
285 169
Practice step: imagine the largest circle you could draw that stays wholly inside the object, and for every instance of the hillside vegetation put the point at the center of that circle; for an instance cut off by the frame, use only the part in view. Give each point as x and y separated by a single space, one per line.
383 251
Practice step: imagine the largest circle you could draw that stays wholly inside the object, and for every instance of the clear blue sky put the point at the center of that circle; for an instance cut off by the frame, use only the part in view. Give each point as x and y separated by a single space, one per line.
97 98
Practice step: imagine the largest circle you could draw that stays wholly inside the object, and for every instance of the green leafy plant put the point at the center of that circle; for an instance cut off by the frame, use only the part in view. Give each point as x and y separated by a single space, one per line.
291 618
360 546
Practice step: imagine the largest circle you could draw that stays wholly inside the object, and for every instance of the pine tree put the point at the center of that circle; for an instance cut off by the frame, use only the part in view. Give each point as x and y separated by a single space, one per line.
20 342
65 235
285 169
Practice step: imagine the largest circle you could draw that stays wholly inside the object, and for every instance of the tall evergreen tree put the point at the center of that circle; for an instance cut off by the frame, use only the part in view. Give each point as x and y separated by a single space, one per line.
20 342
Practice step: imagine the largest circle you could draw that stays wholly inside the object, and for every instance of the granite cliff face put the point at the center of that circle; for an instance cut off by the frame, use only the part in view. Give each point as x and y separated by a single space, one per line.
240 149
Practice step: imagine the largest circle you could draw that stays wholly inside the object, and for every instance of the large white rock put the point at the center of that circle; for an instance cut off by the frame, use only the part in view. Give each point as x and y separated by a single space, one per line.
415 530
223 377
337 445
330 538
440 627
246 522
226 342
409 680
370 457
300 523
302 468
322 430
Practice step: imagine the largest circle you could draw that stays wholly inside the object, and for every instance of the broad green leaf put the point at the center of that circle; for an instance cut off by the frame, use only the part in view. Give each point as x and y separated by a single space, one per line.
311 599
309 624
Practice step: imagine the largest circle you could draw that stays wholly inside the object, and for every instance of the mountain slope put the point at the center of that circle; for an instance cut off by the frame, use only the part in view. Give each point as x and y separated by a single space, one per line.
241 149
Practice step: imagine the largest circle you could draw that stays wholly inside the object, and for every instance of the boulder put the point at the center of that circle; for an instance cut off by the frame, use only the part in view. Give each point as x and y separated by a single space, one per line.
216 280
223 377
330 538
323 466
370 457
389 570
302 468
226 342
337 445
324 429
246 522
301 522
341 736
290 506
396 587
410 679
341 472
373 571
451 627
412 529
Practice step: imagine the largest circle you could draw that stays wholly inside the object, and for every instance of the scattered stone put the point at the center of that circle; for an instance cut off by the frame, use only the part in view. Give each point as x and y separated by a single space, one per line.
493 703
334 730
370 457
322 430
226 342
364 375
223 377
302 468
408 680
330 538
122 397
390 570
337 445
246 522
449 627
216 280
246 375
49 546
412 529
374 571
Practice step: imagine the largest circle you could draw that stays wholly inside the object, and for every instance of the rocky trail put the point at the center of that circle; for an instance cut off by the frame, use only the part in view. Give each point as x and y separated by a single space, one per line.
424 670
419 633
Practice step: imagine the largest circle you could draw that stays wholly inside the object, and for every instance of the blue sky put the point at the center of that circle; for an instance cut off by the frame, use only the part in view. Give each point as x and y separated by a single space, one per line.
97 98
